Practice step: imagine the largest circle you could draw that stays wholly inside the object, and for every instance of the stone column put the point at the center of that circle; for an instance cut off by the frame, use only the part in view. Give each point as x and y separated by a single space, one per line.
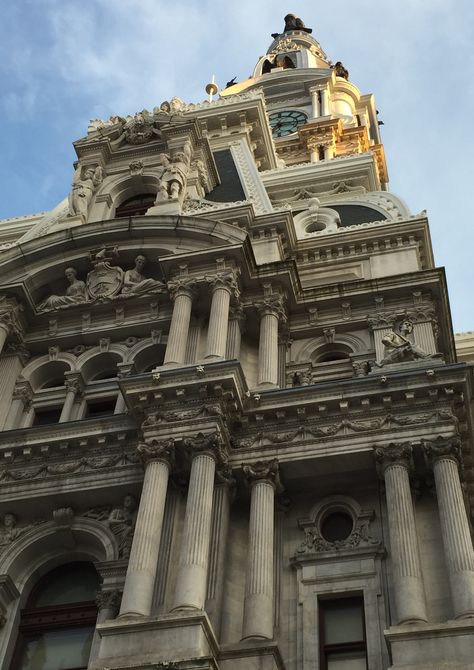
139 585
380 325
107 606
313 148
234 334
325 111
328 152
284 343
395 463
223 287
258 604
424 329
73 387
219 535
21 402
182 294
194 555
124 370
444 456
315 104
271 311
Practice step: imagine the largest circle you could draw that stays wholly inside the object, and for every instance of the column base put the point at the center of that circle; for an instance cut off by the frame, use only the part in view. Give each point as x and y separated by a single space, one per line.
432 646
132 642
246 655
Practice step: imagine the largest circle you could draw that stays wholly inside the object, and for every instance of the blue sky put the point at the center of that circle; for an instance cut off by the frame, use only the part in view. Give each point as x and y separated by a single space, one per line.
63 62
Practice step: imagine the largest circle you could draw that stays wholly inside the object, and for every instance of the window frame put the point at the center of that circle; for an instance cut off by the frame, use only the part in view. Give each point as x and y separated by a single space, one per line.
355 646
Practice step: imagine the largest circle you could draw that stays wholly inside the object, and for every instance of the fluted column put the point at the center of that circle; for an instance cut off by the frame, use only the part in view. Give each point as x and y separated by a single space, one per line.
73 387
194 555
380 325
234 334
457 542
182 293
258 604
325 111
271 312
218 549
424 328
395 463
223 286
137 596
21 402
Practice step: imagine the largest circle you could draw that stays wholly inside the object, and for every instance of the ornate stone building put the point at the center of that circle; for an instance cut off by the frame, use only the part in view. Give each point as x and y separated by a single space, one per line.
235 431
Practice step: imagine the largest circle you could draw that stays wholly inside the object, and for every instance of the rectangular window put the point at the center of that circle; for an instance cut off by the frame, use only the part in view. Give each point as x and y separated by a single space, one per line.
46 416
98 408
342 634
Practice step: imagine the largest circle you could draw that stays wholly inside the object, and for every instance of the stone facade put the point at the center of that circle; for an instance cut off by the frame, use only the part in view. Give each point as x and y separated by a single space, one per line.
239 408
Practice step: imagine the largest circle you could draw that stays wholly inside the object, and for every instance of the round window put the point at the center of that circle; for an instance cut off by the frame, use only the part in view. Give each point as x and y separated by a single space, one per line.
337 526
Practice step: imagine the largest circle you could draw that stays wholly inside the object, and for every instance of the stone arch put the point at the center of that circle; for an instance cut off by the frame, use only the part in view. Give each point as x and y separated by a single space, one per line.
95 363
45 371
345 342
115 190
146 355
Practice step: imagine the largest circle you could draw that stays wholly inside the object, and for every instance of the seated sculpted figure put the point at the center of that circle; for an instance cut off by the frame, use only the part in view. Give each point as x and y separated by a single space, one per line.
76 292
136 283
399 348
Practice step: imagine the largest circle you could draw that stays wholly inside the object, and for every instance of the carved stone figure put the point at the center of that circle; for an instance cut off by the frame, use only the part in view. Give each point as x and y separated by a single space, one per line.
341 70
173 179
292 22
140 129
9 532
76 293
121 522
84 184
136 283
399 347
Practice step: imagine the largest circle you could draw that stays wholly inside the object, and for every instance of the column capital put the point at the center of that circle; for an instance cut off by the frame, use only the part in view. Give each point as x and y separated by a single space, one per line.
226 280
208 443
395 453
73 382
108 599
272 304
23 392
422 313
155 450
10 316
263 471
182 286
381 320
443 448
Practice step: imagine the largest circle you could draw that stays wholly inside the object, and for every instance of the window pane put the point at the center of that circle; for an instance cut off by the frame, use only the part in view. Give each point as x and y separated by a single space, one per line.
58 650
343 622
72 583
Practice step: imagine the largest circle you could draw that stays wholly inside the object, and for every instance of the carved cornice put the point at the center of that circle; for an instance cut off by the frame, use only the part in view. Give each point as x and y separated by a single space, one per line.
157 451
268 471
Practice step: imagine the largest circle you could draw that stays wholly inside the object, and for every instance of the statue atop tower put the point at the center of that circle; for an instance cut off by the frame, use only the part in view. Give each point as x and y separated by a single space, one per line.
292 22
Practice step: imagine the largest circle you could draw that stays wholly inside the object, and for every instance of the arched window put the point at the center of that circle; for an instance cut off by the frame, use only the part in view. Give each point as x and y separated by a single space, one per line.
137 205
57 625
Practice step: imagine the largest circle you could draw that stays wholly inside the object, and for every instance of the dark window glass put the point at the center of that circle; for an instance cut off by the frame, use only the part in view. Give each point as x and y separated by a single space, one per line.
57 625
337 526
100 408
135 206
46 416
351 215
342 634
230 189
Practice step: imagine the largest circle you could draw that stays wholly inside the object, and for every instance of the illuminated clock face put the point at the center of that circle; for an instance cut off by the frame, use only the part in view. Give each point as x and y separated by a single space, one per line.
284 123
